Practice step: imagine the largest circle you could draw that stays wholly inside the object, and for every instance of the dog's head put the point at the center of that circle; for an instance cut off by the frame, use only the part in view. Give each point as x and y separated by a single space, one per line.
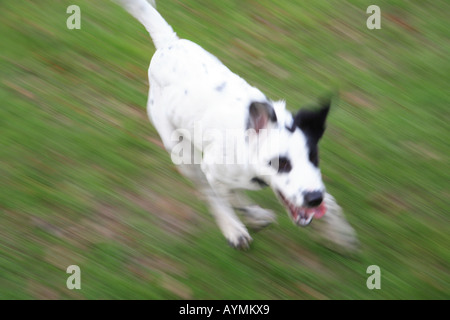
287 156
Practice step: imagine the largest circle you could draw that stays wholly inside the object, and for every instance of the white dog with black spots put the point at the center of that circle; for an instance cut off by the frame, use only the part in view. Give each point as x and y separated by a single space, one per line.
191 88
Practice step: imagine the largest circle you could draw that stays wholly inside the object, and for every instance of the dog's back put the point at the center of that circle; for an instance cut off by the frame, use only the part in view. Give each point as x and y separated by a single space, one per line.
189 85
193 85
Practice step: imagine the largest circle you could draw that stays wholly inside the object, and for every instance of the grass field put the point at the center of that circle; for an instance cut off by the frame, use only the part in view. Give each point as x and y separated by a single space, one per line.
85 181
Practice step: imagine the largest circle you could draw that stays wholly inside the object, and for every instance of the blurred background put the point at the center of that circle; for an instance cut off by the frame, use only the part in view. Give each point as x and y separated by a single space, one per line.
85 181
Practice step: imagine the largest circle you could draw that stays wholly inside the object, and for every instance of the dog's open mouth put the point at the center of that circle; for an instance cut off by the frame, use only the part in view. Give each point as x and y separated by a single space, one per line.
303 216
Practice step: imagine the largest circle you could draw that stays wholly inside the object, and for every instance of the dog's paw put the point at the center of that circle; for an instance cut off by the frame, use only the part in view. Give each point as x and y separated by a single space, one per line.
257 218
237 237
334 231
242 243
339 238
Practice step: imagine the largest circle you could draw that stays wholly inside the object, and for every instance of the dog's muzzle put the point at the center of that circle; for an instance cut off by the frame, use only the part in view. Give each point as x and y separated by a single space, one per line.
302 215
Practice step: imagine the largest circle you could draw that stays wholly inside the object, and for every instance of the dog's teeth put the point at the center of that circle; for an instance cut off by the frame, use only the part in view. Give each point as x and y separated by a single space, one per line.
310 218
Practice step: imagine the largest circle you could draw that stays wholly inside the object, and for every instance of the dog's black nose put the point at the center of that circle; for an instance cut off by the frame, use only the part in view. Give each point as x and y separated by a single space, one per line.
313 199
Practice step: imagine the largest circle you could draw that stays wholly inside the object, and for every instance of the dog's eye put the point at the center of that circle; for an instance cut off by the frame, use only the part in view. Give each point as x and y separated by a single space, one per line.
282 164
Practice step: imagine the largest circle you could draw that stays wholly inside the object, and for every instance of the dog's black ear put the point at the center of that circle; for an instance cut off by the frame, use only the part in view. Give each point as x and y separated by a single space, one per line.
312 122
260 113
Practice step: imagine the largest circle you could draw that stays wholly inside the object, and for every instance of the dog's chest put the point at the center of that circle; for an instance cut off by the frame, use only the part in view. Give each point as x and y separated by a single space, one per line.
234 176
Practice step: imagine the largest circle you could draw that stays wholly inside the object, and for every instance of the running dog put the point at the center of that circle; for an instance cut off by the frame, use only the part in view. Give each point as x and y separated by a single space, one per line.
191 89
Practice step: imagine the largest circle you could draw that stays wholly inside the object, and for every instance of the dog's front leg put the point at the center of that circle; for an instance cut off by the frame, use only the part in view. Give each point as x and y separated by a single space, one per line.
217 196
232 228
255 217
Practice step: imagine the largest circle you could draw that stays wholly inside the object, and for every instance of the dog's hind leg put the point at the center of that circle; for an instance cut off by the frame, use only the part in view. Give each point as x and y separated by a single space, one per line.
255 217
334 229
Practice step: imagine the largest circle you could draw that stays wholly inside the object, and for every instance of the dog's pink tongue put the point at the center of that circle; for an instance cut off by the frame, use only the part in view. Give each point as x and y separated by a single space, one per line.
319 211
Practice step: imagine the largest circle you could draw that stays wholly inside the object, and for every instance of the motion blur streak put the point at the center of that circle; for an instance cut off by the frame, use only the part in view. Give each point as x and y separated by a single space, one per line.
85 181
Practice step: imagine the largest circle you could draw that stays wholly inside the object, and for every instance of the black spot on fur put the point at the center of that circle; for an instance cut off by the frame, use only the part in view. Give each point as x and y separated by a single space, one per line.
312 123
221 86
313 154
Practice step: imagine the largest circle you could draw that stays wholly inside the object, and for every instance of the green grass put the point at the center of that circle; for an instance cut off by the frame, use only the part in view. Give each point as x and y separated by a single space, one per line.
84 179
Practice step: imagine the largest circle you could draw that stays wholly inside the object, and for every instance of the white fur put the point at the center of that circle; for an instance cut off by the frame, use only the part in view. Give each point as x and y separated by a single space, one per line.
191 87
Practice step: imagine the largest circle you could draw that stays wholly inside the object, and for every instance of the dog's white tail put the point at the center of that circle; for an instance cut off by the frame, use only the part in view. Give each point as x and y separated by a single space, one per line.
161 32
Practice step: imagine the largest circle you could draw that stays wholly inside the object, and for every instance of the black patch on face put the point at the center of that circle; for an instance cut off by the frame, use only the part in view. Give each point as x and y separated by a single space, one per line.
283 165
260 182
314 154
312 124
